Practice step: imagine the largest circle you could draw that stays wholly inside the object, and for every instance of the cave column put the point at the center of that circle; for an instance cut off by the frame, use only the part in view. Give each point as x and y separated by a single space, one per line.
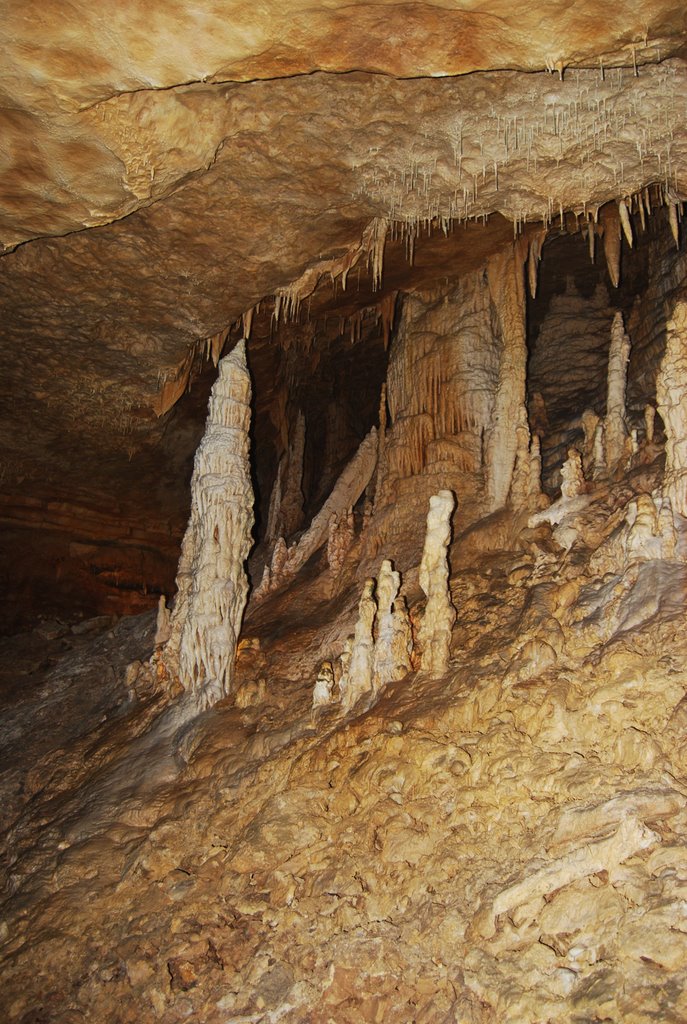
509 438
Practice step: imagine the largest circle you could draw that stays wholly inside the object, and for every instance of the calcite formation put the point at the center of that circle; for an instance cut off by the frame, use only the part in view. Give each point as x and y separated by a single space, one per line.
435 632
615 425
393 641
356 681
212 586
400 811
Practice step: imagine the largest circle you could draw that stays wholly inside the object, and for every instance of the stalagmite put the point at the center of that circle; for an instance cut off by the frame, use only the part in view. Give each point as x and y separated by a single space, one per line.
667 530
340 540
611 229
572 475
590 421
649 423
274 512
348 488
671 400
393 644
292 481
163 623
323 692
435 631
357 679
599 459
643 539
615 426
535 467
212 583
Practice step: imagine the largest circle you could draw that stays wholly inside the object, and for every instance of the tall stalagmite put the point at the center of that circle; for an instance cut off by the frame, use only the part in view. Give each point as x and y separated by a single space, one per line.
212 583
671 398
440 615
615 427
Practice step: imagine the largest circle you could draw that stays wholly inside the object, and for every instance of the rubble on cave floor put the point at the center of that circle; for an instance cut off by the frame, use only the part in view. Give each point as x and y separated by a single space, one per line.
508 842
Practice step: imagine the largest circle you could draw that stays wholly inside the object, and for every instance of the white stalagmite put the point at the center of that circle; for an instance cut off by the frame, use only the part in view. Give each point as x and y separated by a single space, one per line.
649 423
572 475
357 678
615 426
323 691
440 615
535 467
671 400
211 581
394 643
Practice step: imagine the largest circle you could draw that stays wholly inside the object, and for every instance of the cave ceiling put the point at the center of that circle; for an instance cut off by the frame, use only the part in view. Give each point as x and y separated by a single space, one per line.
166 168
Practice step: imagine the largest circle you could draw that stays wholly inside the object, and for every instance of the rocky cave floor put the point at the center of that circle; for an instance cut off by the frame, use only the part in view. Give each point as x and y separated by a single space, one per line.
508 843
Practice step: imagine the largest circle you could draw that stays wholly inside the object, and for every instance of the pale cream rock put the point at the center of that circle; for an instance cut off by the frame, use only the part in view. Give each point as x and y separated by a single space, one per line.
324 685
581 862
393 643
615 425
671 400
356 680
649 423
437 624
212 583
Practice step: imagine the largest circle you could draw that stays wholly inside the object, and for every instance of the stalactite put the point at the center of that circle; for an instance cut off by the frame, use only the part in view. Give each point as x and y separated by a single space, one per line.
673 220
212 583
437 624
671 400
625 221
649 423
615 426
610 219
393 643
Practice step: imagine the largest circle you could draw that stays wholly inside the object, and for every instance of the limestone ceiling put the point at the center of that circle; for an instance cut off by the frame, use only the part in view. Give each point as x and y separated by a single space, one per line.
166 168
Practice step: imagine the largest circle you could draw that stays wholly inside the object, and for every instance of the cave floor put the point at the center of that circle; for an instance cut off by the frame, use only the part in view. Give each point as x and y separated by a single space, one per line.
508 843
